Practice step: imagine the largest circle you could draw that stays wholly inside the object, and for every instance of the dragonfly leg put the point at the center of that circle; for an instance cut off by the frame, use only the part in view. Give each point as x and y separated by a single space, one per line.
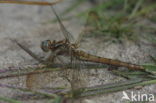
50 58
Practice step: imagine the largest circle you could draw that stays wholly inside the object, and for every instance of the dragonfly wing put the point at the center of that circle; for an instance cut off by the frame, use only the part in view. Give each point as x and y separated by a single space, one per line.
79 74
41 79
92 24
68 36
76 75
27 50
34 81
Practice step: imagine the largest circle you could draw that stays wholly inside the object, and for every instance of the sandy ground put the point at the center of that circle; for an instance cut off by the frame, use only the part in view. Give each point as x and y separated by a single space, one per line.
30 25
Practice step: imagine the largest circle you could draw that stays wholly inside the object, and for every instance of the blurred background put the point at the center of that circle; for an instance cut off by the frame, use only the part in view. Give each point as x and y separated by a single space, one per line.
116 29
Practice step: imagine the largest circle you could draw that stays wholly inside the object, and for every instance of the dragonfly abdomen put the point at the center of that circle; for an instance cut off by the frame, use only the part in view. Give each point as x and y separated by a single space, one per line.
93 58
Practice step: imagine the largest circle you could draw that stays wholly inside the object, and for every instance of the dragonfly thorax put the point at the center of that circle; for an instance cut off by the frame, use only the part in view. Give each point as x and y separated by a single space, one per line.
62 47
48 45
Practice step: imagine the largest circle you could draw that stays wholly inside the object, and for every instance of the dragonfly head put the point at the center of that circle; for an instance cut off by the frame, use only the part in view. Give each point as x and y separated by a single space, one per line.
51 45
45 45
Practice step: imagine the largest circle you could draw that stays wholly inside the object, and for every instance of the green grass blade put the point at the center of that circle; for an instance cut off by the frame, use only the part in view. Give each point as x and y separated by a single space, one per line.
118 88
58 99
138 4
9 100
101 6
150 68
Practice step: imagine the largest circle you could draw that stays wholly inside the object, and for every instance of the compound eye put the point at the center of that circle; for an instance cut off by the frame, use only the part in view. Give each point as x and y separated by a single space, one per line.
45 45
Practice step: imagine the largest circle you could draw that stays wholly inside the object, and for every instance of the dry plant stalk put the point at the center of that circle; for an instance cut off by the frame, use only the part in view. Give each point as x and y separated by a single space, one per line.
42 3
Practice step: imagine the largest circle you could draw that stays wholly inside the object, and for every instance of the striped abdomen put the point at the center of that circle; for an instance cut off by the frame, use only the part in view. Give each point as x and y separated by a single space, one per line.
97 59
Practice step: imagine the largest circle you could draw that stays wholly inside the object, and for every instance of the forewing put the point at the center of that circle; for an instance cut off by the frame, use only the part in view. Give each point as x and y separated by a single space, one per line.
68 36
34 81
27 50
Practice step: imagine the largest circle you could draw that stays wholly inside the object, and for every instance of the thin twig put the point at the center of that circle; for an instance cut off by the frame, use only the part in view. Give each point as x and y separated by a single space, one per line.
30 2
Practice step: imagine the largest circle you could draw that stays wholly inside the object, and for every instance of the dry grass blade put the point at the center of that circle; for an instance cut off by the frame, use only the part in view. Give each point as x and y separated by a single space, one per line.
28 90
30 2
10 73
29 73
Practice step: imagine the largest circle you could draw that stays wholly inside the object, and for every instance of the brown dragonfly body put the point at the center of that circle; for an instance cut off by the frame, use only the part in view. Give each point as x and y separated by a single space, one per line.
62 47
92 58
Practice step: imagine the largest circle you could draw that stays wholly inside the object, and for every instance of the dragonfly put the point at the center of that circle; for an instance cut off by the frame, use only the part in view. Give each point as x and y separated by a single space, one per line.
63 47
67 47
